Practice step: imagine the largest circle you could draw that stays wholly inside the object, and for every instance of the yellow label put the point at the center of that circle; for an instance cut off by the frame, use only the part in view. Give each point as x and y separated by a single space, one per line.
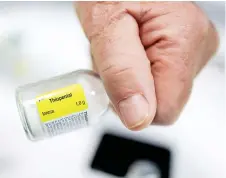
61 102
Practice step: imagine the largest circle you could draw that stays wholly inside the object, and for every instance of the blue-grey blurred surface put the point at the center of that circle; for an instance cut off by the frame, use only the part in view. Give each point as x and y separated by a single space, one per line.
39 40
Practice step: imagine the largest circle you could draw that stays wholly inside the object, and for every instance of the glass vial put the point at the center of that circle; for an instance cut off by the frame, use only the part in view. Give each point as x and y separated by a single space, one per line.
61 104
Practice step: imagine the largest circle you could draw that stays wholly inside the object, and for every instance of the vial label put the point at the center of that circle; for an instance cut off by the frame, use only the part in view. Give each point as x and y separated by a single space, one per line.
63 109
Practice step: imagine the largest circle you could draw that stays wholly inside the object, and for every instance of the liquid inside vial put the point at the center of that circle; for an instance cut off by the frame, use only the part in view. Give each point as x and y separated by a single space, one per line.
61 104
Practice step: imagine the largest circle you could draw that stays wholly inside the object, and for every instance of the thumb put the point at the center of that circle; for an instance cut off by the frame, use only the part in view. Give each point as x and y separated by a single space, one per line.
123 66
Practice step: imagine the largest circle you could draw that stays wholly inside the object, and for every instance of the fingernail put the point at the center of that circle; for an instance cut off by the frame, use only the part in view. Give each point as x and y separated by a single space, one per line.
134 110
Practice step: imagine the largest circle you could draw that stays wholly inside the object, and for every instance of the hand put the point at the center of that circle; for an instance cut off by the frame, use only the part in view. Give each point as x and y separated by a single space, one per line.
147 54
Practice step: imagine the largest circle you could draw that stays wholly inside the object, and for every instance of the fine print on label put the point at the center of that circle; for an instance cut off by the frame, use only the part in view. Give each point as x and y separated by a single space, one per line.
66 123
63 110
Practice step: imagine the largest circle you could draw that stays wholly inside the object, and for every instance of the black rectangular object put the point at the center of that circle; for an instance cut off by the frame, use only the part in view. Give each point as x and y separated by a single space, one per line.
115 154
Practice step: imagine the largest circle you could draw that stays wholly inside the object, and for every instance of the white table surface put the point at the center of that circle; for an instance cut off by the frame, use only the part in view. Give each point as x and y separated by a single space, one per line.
53 43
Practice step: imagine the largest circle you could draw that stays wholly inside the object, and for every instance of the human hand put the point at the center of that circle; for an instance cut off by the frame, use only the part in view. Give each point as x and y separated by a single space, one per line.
147 54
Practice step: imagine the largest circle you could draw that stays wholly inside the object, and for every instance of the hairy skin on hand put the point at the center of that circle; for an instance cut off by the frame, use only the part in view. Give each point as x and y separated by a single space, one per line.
150 48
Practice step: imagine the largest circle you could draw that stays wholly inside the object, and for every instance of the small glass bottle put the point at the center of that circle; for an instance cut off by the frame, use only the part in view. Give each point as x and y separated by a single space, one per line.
61 104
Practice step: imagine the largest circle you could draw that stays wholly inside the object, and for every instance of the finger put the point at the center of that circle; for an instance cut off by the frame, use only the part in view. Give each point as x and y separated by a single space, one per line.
177 52
123 66
173 76
125 71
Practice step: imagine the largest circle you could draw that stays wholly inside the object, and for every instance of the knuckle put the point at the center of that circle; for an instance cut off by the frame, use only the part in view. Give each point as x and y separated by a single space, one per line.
178 66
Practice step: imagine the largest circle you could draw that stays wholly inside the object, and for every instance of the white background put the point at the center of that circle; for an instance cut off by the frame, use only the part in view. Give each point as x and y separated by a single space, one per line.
51 43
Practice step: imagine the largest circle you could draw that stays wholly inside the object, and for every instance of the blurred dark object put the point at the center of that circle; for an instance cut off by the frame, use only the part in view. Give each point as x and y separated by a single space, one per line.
117 155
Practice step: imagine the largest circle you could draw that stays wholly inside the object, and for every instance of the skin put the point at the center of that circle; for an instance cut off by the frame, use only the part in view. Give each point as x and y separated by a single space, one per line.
148 54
